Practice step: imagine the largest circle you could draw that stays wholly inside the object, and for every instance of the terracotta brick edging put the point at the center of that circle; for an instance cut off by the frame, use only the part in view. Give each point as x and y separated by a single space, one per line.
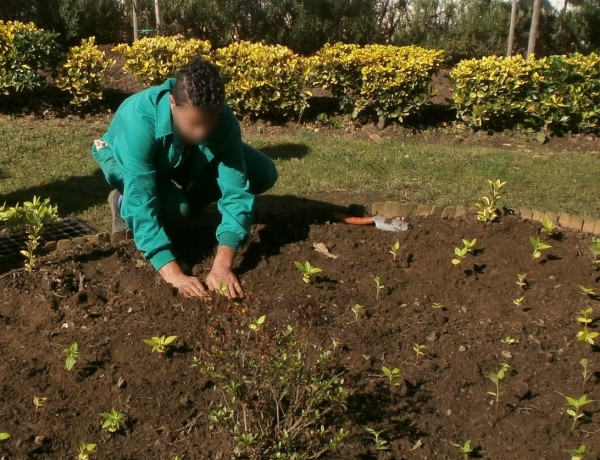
564 220
387 209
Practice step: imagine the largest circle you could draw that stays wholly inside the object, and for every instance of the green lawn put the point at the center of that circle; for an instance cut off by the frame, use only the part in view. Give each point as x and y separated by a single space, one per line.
52 158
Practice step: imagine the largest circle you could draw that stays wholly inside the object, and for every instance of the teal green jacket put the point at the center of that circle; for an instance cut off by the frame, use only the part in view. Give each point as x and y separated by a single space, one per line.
141 147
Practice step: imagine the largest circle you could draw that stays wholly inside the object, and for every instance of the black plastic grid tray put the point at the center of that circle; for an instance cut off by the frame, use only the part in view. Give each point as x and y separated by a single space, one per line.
67 228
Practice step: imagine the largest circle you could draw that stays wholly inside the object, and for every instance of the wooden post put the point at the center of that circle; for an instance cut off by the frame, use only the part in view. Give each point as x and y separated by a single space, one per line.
535 19
157 14
511 31
135 20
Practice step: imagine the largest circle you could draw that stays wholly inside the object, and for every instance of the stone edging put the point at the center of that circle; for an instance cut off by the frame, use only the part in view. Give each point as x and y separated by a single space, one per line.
87 240
391 209
387 209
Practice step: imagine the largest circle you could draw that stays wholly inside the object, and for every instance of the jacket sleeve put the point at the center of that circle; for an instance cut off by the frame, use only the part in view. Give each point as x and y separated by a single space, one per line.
237 202
139 208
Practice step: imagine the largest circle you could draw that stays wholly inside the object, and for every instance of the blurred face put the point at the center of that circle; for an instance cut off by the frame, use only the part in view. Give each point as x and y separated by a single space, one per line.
194 124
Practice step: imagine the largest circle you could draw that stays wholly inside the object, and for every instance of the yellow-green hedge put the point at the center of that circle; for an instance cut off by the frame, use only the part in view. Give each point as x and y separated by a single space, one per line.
154 59
264 80
393 82
83 72
556 93
24 51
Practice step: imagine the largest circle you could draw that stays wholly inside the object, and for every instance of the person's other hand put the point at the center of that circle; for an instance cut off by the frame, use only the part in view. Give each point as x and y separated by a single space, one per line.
189 286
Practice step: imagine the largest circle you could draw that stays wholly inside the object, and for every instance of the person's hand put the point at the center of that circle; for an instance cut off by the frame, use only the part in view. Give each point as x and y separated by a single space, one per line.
189 286
224 275
221 274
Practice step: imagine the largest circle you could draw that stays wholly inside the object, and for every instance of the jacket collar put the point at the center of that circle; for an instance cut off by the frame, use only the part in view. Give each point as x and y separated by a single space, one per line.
164 122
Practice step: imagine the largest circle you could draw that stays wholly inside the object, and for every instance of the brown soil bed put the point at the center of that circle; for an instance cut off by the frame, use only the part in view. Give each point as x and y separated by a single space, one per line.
443 398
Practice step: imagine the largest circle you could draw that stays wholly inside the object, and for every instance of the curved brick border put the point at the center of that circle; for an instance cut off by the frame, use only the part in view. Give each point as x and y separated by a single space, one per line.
563 219
381 208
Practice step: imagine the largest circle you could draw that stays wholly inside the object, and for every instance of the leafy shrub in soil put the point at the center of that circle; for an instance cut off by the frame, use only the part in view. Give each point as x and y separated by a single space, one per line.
277 396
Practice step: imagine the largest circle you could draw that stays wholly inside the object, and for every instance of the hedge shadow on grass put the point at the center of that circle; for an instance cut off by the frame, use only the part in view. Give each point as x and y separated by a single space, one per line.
73 195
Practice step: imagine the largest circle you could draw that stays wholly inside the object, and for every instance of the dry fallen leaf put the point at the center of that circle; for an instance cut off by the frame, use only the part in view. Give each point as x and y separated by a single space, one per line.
320 247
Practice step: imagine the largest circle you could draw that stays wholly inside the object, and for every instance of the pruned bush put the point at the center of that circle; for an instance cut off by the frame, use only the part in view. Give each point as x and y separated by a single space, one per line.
276 396
25 52
555 93
154 59
389 81
83 72
264 80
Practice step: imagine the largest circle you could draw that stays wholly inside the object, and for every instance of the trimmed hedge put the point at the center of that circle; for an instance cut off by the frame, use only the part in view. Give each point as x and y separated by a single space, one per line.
154 59
264 80
25 50
391 81
83 72
555 93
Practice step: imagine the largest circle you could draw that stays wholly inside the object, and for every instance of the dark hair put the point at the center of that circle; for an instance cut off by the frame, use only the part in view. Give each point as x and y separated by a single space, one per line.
199 83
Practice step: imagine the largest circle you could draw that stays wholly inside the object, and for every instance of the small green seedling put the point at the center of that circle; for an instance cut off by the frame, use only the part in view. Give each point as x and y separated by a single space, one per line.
575 407
223 288
496 378
587 336
579 453
357 309
585 316
521 280
438 306
257 323
519 301
465 448
508 340
33 217
378 279
72 356
418 349
594 249
488 204
394 248
470 245
459 255
84 449
538 246
39 401
548 226
380 443
159 344
394 376
584 362
4 436
587 291
307 270
113 421
394 379
246 440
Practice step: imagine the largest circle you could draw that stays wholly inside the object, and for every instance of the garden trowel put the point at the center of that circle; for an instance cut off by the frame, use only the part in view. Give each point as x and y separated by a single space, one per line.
389 225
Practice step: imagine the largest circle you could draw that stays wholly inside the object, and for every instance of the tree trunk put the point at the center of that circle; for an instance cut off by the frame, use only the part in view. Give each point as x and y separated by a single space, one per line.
533 31
511 31
157 14
135 20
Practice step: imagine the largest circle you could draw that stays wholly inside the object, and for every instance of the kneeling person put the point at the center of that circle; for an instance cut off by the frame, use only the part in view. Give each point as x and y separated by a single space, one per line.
169 151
